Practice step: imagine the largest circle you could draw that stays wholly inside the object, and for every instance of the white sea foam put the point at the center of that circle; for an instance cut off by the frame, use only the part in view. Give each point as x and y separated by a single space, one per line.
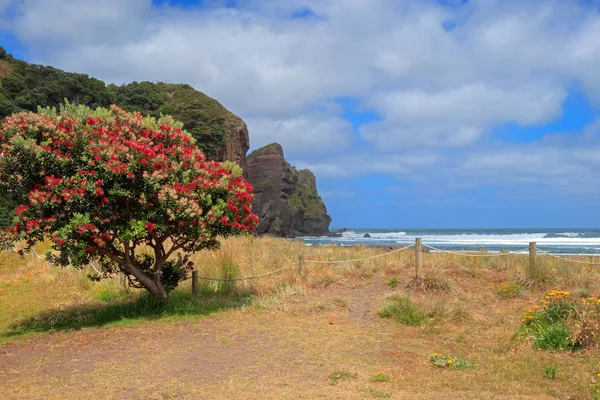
569 234
571 239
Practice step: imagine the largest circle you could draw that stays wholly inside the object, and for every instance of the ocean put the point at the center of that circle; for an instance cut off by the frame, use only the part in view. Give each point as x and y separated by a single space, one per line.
556 240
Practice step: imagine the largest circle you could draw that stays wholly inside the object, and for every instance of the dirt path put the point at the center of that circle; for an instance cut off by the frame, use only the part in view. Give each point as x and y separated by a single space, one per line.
285 351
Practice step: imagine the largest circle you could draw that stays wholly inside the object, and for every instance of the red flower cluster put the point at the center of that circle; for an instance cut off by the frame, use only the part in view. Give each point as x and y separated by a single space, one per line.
156 176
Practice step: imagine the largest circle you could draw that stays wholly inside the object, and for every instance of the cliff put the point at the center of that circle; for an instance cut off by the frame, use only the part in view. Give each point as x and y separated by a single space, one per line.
286 200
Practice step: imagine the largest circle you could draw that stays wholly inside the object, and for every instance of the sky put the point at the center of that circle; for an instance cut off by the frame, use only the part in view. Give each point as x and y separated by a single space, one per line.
430 113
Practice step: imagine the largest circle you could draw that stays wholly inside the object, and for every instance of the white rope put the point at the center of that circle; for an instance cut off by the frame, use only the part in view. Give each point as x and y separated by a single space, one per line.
36 254
358 259
475 255
568 259
248 277
94 268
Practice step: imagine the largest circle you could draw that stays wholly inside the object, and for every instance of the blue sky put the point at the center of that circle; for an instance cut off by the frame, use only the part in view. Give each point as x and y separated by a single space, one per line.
411 113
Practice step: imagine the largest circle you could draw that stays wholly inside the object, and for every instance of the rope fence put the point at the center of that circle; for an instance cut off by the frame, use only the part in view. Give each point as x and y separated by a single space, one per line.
509 253
418 246
567 259
358 259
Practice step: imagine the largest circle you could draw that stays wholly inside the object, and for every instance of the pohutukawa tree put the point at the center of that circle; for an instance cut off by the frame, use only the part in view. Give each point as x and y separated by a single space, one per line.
133 194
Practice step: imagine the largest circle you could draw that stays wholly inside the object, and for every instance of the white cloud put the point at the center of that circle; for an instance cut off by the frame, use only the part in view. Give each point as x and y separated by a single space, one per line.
439 92
303 134
459 116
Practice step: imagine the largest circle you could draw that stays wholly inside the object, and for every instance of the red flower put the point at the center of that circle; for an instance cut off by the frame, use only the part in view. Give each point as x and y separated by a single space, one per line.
89 249
150 226
98 183
99 192
181 224
21 209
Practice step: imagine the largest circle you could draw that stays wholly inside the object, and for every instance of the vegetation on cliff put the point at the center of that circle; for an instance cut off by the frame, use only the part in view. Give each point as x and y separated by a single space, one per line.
306 199
24 87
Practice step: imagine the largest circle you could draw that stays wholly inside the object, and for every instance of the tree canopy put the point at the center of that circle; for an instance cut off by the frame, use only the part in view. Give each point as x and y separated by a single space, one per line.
133 194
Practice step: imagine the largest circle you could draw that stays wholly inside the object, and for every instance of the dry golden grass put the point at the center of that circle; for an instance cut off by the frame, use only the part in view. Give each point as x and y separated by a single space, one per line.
292 336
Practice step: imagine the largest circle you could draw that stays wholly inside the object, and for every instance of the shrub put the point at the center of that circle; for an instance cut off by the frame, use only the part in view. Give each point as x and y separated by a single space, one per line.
561 323
553 337
133 194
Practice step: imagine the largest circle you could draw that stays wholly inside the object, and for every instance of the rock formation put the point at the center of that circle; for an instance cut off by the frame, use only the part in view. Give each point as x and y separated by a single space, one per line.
286 200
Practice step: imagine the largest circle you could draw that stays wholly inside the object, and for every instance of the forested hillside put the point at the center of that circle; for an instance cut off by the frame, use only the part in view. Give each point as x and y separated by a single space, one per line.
24 87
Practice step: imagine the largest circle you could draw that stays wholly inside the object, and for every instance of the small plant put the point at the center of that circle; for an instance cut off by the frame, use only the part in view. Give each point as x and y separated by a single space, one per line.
338 376
448 361
403 310
549 371
509 290
392 282
380 377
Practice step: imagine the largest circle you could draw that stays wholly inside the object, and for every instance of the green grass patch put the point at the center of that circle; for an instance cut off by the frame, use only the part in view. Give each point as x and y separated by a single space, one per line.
400 308
143 307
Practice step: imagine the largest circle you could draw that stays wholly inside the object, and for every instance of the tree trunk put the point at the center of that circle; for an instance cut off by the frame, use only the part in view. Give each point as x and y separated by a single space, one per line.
154 286
157 289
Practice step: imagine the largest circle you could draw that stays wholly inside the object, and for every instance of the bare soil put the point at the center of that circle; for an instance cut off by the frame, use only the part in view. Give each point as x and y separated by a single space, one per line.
285 350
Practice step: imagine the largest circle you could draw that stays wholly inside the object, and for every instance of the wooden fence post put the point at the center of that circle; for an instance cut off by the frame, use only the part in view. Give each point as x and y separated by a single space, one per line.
301 268
418 259
194 283
532 254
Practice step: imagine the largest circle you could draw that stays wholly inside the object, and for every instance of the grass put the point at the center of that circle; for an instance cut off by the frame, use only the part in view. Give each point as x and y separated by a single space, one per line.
295 338
402 309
